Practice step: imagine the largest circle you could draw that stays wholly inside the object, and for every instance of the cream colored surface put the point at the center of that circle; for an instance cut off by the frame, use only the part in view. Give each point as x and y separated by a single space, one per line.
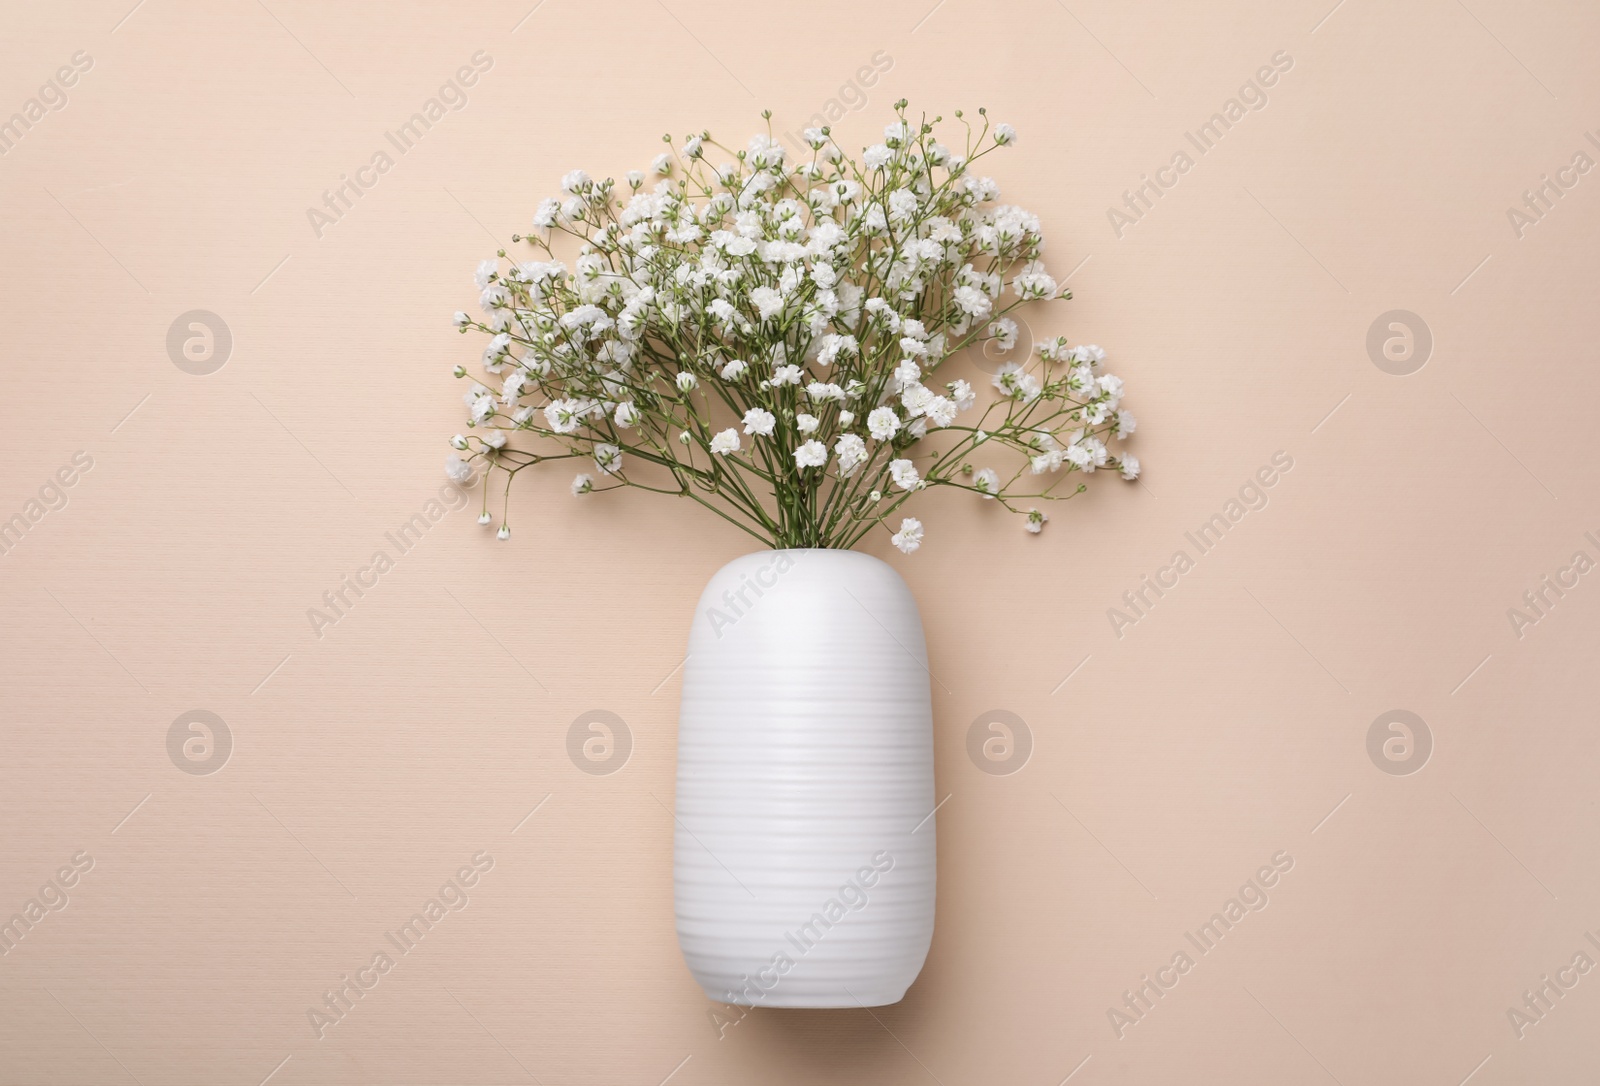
371 764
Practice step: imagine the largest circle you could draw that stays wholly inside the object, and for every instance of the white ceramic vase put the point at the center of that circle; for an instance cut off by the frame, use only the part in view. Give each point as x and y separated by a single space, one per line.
803 867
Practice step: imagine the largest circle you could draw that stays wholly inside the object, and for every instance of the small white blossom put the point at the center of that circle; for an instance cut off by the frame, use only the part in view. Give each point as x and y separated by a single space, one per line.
582 484
940 411
834 347
806 424
725 442
563 416
909 537
852 453
962 394
904 473
986 481
626 415
1129 466
459 471
813 454
608 458
1036 521
882 423
687 382
785 375
973 302
757 421
767 301
734 370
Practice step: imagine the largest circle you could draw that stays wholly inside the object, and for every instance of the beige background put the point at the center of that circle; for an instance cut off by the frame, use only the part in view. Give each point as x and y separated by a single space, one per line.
1230 723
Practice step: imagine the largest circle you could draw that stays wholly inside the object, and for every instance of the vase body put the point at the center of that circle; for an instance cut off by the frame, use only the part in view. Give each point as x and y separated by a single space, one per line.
803 852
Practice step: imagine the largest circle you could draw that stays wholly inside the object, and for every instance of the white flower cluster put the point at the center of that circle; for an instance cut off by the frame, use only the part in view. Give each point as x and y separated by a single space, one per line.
761 335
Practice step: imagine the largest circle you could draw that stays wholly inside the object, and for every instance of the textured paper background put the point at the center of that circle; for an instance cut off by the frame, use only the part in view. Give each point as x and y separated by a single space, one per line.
1227 725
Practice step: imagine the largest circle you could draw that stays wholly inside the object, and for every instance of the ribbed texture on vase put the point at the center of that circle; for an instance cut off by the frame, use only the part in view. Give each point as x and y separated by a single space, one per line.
803 850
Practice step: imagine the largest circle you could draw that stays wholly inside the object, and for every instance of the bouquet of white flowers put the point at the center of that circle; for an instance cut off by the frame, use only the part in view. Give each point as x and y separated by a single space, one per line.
762 336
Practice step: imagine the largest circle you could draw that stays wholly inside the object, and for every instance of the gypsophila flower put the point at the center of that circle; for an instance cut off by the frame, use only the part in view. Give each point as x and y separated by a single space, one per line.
459 471
852 453
813 454
562 415
757 421
725 442
484 517
904 474
504 533
816 301
909 537
1036 521
882 423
